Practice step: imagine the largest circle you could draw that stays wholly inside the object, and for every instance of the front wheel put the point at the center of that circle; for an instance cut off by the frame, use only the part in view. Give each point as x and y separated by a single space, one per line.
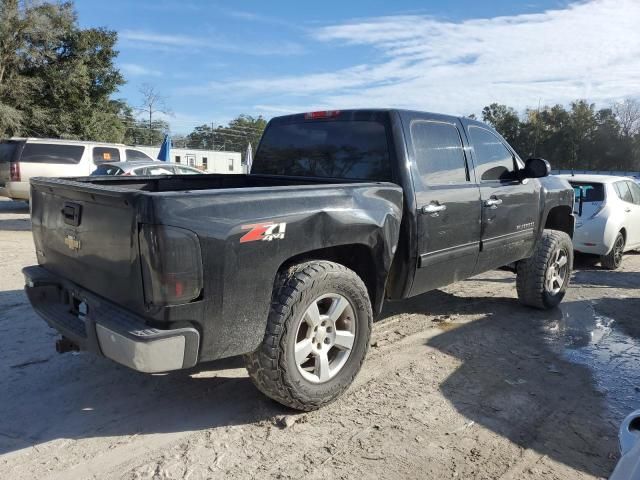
542 279
317 336
613 259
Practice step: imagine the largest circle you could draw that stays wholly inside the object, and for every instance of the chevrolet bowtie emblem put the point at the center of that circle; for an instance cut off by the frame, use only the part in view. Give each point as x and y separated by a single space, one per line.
72 242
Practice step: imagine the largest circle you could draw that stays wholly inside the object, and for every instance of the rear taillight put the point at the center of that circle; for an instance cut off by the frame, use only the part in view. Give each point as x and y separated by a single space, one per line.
322 114
171 264
15 171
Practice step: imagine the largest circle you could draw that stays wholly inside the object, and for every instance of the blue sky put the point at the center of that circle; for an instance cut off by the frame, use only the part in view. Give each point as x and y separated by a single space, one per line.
214 60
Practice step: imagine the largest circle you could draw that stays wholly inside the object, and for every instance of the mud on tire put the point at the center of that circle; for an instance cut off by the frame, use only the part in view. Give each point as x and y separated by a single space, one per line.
273 367
533 274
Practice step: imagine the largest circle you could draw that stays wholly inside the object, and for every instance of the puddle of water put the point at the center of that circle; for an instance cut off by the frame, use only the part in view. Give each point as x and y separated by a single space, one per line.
585 337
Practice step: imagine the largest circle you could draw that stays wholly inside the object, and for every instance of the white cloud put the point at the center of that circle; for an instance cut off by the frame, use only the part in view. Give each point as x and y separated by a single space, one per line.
589 49
136 70
161 39
190 44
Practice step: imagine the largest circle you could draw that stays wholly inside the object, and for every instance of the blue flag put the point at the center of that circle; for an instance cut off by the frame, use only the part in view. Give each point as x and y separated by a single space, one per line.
165 150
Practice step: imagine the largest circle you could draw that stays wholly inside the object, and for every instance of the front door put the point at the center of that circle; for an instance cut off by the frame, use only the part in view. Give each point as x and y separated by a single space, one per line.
510 208
447 202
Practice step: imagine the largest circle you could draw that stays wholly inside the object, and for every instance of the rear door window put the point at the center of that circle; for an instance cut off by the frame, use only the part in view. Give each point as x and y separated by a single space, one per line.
105 154
438 152
51 153
351 149
624 193
635 192
493 161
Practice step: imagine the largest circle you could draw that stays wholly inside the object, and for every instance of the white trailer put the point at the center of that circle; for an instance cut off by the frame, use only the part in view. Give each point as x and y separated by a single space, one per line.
211 161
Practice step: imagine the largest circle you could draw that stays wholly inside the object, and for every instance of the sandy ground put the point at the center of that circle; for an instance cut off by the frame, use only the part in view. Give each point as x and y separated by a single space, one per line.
460 383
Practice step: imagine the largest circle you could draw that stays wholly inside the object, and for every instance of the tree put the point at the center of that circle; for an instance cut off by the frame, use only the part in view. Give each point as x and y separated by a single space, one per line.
505 120
56 79
576 138
152 104
236 136
627 113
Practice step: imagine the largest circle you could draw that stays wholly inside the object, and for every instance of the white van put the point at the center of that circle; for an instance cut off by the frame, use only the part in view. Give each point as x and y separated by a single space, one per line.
23 158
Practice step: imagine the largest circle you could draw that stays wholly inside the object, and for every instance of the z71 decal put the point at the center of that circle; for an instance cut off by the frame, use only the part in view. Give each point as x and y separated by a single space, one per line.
263 231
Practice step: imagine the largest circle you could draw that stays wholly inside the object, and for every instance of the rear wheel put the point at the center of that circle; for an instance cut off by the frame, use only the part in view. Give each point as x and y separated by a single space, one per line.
613 259
317 336
542 279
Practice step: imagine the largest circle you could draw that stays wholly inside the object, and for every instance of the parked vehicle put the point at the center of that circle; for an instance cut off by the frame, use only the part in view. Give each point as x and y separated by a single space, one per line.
628 467
144 168
608 210
24 158
288 265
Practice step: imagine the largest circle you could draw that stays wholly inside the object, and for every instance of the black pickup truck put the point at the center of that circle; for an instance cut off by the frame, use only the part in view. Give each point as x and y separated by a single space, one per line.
288 265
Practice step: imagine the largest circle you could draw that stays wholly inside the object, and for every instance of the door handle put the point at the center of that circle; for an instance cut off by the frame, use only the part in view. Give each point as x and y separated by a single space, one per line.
627 210
433 208
493 202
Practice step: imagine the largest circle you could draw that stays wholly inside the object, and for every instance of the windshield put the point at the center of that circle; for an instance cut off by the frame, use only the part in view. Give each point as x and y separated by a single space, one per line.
107 170
340 149
591 192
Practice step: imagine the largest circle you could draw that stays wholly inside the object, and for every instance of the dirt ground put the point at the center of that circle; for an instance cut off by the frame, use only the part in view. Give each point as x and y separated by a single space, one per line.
459 383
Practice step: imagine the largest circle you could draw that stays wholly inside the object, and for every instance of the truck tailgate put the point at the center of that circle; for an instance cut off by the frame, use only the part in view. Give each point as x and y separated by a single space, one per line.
89 236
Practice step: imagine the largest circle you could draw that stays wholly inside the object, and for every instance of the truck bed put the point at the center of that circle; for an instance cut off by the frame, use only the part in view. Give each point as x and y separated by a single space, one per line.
87 230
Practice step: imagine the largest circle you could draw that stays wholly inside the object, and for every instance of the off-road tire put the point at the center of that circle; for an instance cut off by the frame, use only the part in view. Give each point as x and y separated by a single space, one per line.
610 261
272 366
531 273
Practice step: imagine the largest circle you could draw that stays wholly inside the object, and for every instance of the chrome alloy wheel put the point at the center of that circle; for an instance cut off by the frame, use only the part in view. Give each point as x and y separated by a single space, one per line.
557 272
325 338
618 250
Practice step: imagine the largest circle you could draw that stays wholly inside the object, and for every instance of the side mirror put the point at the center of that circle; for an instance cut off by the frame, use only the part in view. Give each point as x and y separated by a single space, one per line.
536 168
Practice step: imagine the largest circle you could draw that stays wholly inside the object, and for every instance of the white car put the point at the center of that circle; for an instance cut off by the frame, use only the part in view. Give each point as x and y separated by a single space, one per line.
607 210
628 467
154 167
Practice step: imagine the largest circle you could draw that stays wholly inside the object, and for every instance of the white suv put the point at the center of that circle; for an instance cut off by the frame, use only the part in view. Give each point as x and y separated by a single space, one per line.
23 158
608 216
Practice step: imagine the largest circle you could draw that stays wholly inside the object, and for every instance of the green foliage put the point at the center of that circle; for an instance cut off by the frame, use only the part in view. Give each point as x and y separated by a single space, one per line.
579 137
234 137
56 79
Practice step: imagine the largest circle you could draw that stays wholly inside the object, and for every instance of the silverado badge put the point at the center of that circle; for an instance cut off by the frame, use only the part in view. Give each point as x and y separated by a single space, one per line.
72 242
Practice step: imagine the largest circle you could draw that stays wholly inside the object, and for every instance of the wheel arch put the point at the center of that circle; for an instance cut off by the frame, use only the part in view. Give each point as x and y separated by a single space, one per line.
357 257
560 218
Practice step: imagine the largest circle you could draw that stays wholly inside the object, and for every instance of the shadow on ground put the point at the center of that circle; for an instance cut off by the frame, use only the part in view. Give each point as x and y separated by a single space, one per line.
15 216
52 396
12 206
534 377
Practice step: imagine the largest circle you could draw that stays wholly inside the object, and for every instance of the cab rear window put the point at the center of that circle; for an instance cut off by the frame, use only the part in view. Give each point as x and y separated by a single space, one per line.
51 153
352 149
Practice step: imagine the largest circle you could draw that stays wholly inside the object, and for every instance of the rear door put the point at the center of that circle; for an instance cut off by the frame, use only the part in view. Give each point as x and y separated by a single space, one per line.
510 208
447 202
635 193
629 193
